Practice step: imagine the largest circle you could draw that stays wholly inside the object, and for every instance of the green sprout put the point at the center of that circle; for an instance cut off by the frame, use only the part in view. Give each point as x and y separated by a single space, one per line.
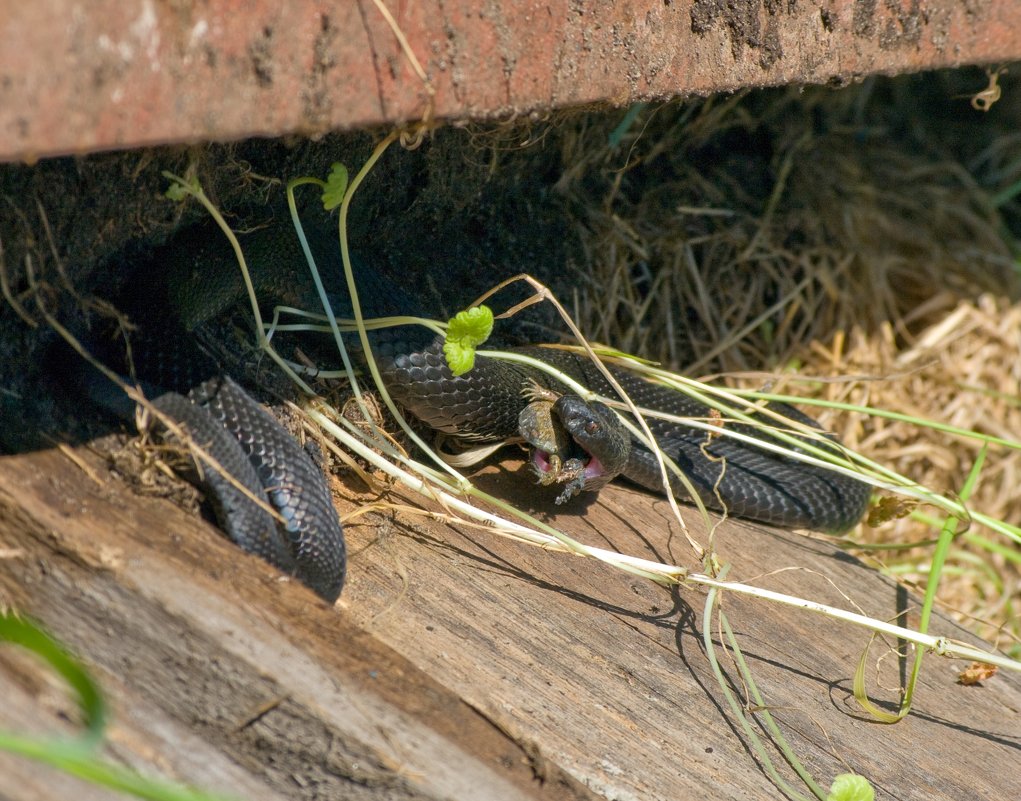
181 188
466 331
335 187
850 787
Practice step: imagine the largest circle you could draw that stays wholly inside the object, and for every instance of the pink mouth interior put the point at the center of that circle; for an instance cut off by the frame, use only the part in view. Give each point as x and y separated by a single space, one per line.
541 460
593 467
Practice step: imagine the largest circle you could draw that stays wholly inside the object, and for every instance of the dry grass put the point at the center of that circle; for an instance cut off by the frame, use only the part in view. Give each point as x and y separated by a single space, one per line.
964 370
861 258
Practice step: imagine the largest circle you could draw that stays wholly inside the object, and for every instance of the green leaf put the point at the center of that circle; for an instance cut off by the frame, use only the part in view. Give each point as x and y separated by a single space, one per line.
176 192
181 188
336 186
851 787
90 699
465 332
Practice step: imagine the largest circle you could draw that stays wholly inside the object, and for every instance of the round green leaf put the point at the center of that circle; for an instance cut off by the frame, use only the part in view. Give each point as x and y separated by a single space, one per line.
465 332
851 787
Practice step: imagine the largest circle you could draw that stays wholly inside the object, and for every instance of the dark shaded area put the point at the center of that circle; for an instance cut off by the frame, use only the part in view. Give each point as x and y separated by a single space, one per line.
433 213
447 221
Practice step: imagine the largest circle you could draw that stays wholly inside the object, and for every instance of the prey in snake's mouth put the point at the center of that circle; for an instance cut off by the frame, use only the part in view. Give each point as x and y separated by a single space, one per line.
580 444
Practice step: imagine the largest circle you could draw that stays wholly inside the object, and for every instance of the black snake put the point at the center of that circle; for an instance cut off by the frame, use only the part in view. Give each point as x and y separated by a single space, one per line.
195 277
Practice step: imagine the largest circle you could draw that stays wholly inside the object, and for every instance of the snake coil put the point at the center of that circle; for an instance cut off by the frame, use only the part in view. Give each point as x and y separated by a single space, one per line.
199 279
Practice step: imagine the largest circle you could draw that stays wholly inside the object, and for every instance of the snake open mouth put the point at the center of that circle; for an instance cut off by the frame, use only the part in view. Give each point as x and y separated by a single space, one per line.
547 465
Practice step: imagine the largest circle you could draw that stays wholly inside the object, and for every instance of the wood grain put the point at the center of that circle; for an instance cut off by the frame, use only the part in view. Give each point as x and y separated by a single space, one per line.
461 665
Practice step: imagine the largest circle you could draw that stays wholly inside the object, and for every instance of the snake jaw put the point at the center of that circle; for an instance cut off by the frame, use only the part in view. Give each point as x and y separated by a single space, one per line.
545 465
594 468
575 474
550 467
596 430
541 461
559 434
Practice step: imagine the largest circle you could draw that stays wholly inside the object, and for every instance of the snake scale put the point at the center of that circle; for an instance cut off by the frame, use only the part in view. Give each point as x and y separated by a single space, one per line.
195 278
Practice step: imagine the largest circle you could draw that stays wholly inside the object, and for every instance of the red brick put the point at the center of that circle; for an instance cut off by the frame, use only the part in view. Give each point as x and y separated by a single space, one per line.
77 77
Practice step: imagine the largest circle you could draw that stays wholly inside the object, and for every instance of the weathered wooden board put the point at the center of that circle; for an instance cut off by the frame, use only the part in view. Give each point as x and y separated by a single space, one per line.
460 665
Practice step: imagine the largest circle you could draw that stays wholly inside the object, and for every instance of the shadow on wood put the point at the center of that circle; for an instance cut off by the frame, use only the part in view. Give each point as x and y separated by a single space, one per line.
460 665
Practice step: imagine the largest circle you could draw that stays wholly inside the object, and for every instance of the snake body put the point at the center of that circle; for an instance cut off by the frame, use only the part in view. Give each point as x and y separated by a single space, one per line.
199 278
309 542
258 455
484 405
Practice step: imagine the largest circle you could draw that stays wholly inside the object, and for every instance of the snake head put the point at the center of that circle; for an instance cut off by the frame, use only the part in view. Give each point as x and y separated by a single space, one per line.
574 442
